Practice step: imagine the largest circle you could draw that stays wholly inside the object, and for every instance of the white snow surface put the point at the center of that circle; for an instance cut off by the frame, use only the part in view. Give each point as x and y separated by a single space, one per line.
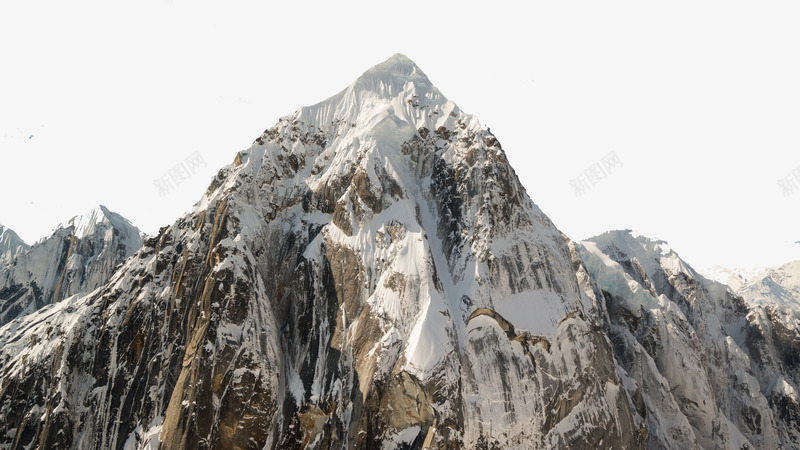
773 286
733 277
381 104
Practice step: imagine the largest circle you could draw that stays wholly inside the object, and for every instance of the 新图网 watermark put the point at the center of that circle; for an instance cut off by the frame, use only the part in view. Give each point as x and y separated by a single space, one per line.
178 173
595 173
790 183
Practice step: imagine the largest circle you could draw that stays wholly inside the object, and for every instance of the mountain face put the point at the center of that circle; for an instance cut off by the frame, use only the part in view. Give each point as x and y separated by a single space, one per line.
772 326
371 274
770 287
684 344
77 257
774 323
10 245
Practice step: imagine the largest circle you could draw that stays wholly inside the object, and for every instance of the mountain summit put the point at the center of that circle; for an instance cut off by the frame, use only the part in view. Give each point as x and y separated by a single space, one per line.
391 76
370 273
10 245
100 217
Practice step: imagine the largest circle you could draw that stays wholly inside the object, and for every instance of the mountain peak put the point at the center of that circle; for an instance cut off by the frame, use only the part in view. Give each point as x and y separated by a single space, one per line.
8 232
86 224
636 238
397 76
398 58
10 243
651 253
398 68
396 89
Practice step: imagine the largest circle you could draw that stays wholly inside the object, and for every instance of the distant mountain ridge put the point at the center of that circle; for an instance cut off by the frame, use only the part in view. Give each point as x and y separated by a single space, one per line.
766 286
688 341
10 245
78 256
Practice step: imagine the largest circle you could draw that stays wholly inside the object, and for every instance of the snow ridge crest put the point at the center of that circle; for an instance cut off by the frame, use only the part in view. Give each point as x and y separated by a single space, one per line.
396 89
87 224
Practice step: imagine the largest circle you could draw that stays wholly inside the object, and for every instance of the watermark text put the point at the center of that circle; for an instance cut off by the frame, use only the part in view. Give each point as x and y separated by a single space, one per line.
595 173
178 173
790 183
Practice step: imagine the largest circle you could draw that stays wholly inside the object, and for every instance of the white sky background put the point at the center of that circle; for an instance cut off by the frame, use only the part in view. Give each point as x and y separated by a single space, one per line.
699 100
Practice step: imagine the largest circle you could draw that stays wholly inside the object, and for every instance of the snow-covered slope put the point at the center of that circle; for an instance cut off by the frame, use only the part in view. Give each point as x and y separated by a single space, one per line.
77 257
733 277
10 245
771 287
686 343
762 286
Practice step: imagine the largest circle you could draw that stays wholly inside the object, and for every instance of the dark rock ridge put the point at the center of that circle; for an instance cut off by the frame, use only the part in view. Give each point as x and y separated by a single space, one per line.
371 274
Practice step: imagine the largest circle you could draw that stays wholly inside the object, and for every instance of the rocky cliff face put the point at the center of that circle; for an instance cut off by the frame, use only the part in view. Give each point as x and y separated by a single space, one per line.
371 274
77 257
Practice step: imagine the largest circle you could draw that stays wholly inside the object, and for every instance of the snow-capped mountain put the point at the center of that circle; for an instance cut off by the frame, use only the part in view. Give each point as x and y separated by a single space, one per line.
371 274
762 286
685 343
371 253
77 257
770 287
10 245
733 277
